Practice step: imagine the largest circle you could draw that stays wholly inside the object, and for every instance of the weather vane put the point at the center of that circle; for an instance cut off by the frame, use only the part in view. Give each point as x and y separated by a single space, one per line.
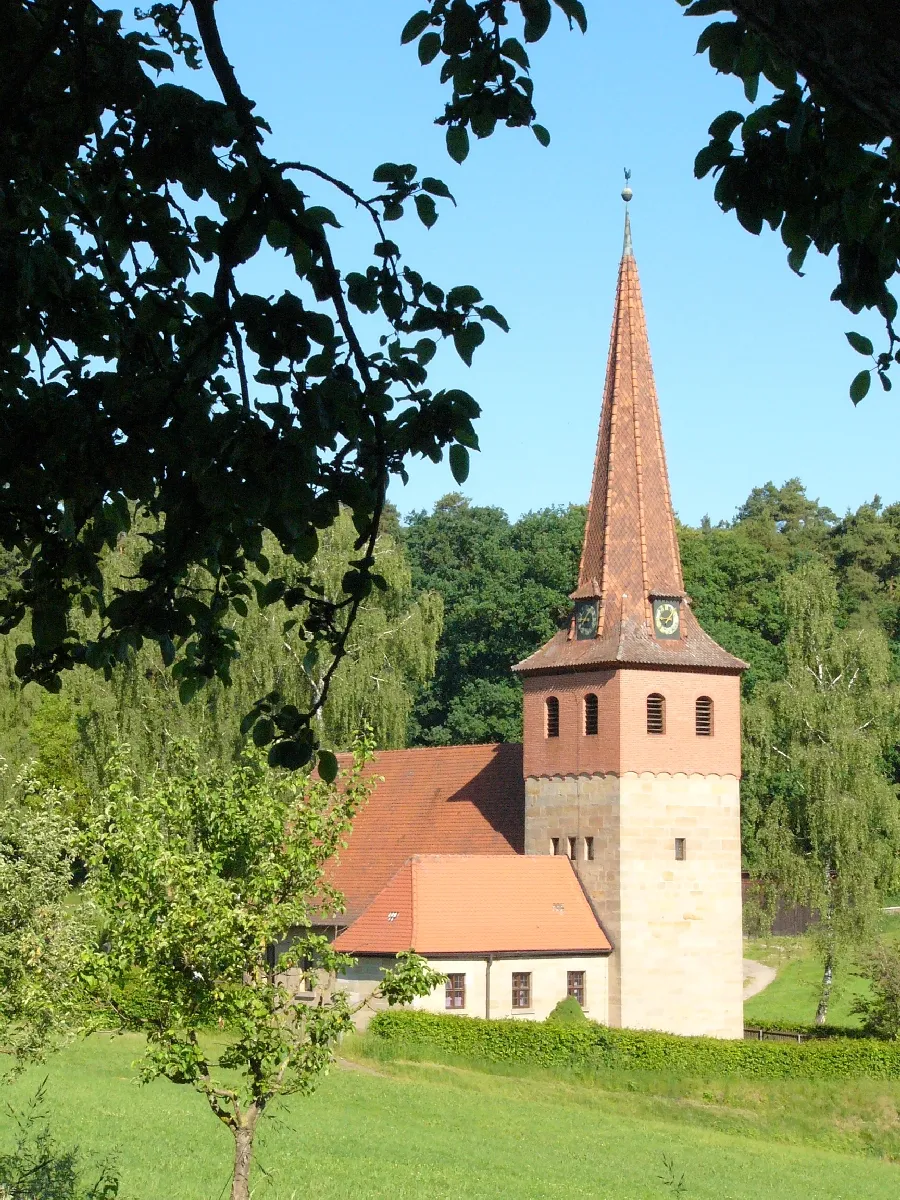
627 193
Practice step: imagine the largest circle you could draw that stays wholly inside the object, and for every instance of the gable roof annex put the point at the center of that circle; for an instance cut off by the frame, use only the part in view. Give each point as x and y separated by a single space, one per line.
431 800
461 904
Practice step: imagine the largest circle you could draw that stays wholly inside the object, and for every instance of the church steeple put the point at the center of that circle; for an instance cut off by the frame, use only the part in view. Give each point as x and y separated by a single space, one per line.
630 548
630 581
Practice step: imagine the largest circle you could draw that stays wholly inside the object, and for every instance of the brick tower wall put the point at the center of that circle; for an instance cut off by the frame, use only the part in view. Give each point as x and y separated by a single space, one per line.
675 925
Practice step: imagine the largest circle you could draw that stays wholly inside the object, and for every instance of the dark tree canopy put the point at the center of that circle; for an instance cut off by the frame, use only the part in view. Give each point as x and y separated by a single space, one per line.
818 159
140 378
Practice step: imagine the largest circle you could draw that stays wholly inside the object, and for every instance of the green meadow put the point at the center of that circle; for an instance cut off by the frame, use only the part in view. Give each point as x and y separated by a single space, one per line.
388 1127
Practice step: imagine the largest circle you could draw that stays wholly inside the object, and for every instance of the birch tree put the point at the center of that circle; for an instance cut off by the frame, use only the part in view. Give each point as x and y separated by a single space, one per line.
828 832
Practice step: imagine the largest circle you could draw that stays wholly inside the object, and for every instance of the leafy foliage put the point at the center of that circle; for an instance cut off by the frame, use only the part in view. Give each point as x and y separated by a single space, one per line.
811 164
546 1044
881 1011
567 1012
504 585
826 815
141 379
41 934
212 884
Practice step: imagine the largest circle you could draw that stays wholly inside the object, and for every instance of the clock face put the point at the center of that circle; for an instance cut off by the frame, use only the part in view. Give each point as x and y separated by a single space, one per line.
586 619
666 619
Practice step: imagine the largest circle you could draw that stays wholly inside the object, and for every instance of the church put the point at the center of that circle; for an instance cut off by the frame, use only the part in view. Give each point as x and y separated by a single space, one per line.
601 858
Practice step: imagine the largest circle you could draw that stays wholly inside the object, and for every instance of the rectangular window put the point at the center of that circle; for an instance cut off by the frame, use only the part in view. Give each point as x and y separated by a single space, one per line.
554 845
573 848
575 986
521 989
455 991
680 849
589 849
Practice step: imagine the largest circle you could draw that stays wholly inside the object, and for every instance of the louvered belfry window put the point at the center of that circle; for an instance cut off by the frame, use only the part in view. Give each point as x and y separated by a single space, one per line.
704 716
590 713
552 717
656 713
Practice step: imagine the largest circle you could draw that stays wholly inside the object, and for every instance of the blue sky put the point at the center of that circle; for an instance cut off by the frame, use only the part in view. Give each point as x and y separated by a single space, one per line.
752 367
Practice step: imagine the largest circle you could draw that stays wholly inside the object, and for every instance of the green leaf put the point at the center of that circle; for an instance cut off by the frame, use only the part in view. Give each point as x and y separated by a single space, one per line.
426 209
860 344
467 340
414 26
537 18
459 462
263 731
328 766
488 313
437 187
860 386
885 381
425 349
574 10
387 172
291 756
429 48
457 143
542 134
513 49
725 124
463 296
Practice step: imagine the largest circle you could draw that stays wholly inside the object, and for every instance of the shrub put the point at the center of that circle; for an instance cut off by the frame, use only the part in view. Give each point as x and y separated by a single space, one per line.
881 1011
595 1046
568 1012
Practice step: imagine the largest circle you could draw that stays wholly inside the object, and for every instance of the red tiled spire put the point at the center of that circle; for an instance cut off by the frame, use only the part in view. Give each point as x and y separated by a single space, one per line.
630 551
630 548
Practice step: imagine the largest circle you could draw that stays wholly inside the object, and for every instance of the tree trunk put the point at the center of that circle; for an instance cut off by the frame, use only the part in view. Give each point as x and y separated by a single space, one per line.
827 980
243 1153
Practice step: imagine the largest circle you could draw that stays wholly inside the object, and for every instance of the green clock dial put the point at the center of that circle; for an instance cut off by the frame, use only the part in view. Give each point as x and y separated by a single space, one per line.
666 619
586 619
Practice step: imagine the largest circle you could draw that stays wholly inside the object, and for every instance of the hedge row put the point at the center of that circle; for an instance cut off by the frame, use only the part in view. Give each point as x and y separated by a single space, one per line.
810 1031
593 1045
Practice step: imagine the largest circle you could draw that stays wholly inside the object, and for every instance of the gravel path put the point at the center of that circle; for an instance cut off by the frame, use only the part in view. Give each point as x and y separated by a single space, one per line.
756 977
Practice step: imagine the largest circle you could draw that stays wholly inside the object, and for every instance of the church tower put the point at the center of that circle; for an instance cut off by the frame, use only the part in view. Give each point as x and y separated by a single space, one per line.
632 736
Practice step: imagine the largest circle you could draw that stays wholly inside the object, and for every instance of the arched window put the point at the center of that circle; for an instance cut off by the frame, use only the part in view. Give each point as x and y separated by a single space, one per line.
590 713
552 717
656 713
704 716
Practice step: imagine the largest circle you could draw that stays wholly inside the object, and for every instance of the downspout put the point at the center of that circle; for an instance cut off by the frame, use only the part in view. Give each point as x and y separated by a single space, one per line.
487 986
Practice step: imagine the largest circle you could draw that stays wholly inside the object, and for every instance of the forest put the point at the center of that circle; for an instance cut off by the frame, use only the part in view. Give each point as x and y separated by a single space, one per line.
469 592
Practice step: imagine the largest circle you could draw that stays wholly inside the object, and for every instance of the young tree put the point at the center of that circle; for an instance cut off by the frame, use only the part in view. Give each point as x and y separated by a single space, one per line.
212 880
41 933
826 816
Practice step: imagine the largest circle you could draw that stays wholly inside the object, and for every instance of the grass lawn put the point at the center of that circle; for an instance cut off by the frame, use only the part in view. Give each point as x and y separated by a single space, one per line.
794 993
412 1130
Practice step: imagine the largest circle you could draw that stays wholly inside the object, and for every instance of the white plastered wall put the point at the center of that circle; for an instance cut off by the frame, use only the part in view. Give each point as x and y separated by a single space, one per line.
549 978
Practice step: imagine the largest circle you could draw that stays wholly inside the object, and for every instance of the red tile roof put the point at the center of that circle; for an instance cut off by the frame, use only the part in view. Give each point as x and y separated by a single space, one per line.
433 800
461 904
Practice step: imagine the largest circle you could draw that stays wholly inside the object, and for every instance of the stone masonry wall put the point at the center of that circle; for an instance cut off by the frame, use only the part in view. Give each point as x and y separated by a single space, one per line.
675 925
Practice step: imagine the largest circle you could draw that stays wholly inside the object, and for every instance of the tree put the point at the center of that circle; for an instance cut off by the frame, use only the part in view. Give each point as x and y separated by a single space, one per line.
818 160
827 823
41 933
211 881
504 587
141 377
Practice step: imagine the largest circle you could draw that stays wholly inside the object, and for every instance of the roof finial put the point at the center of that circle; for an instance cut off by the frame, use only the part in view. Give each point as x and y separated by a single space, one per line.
627 193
